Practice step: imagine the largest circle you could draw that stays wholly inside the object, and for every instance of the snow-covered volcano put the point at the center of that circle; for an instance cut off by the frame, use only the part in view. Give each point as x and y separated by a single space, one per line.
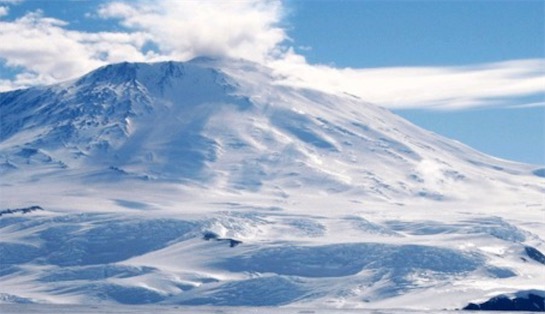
337 202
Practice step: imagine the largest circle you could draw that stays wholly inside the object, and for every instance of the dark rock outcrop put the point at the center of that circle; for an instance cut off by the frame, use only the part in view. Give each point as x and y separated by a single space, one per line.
214 236
531 302
24 210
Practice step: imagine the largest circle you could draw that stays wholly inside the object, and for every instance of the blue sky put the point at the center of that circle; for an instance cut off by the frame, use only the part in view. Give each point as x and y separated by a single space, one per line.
409 33
471 70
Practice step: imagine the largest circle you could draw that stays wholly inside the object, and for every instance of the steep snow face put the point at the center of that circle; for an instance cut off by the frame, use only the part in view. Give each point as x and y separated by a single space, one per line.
312 199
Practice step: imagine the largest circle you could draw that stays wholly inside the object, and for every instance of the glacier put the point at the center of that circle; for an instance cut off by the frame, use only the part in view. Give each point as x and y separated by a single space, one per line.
332 202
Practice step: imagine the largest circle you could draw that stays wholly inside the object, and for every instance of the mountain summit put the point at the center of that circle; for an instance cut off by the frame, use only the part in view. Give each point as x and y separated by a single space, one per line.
144 173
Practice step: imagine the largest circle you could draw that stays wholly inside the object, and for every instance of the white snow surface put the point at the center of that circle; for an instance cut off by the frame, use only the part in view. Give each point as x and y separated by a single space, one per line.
338 203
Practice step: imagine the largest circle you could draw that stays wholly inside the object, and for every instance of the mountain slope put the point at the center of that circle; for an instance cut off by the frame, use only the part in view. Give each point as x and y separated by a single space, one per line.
336 201
234 127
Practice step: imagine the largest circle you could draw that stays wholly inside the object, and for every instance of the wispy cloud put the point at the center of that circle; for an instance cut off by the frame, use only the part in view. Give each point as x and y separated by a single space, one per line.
48 50
528 105
492 84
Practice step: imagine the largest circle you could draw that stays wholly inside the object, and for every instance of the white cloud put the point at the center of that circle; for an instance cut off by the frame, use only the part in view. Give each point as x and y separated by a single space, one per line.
186 29
423 87
48 50
4 6
528 105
